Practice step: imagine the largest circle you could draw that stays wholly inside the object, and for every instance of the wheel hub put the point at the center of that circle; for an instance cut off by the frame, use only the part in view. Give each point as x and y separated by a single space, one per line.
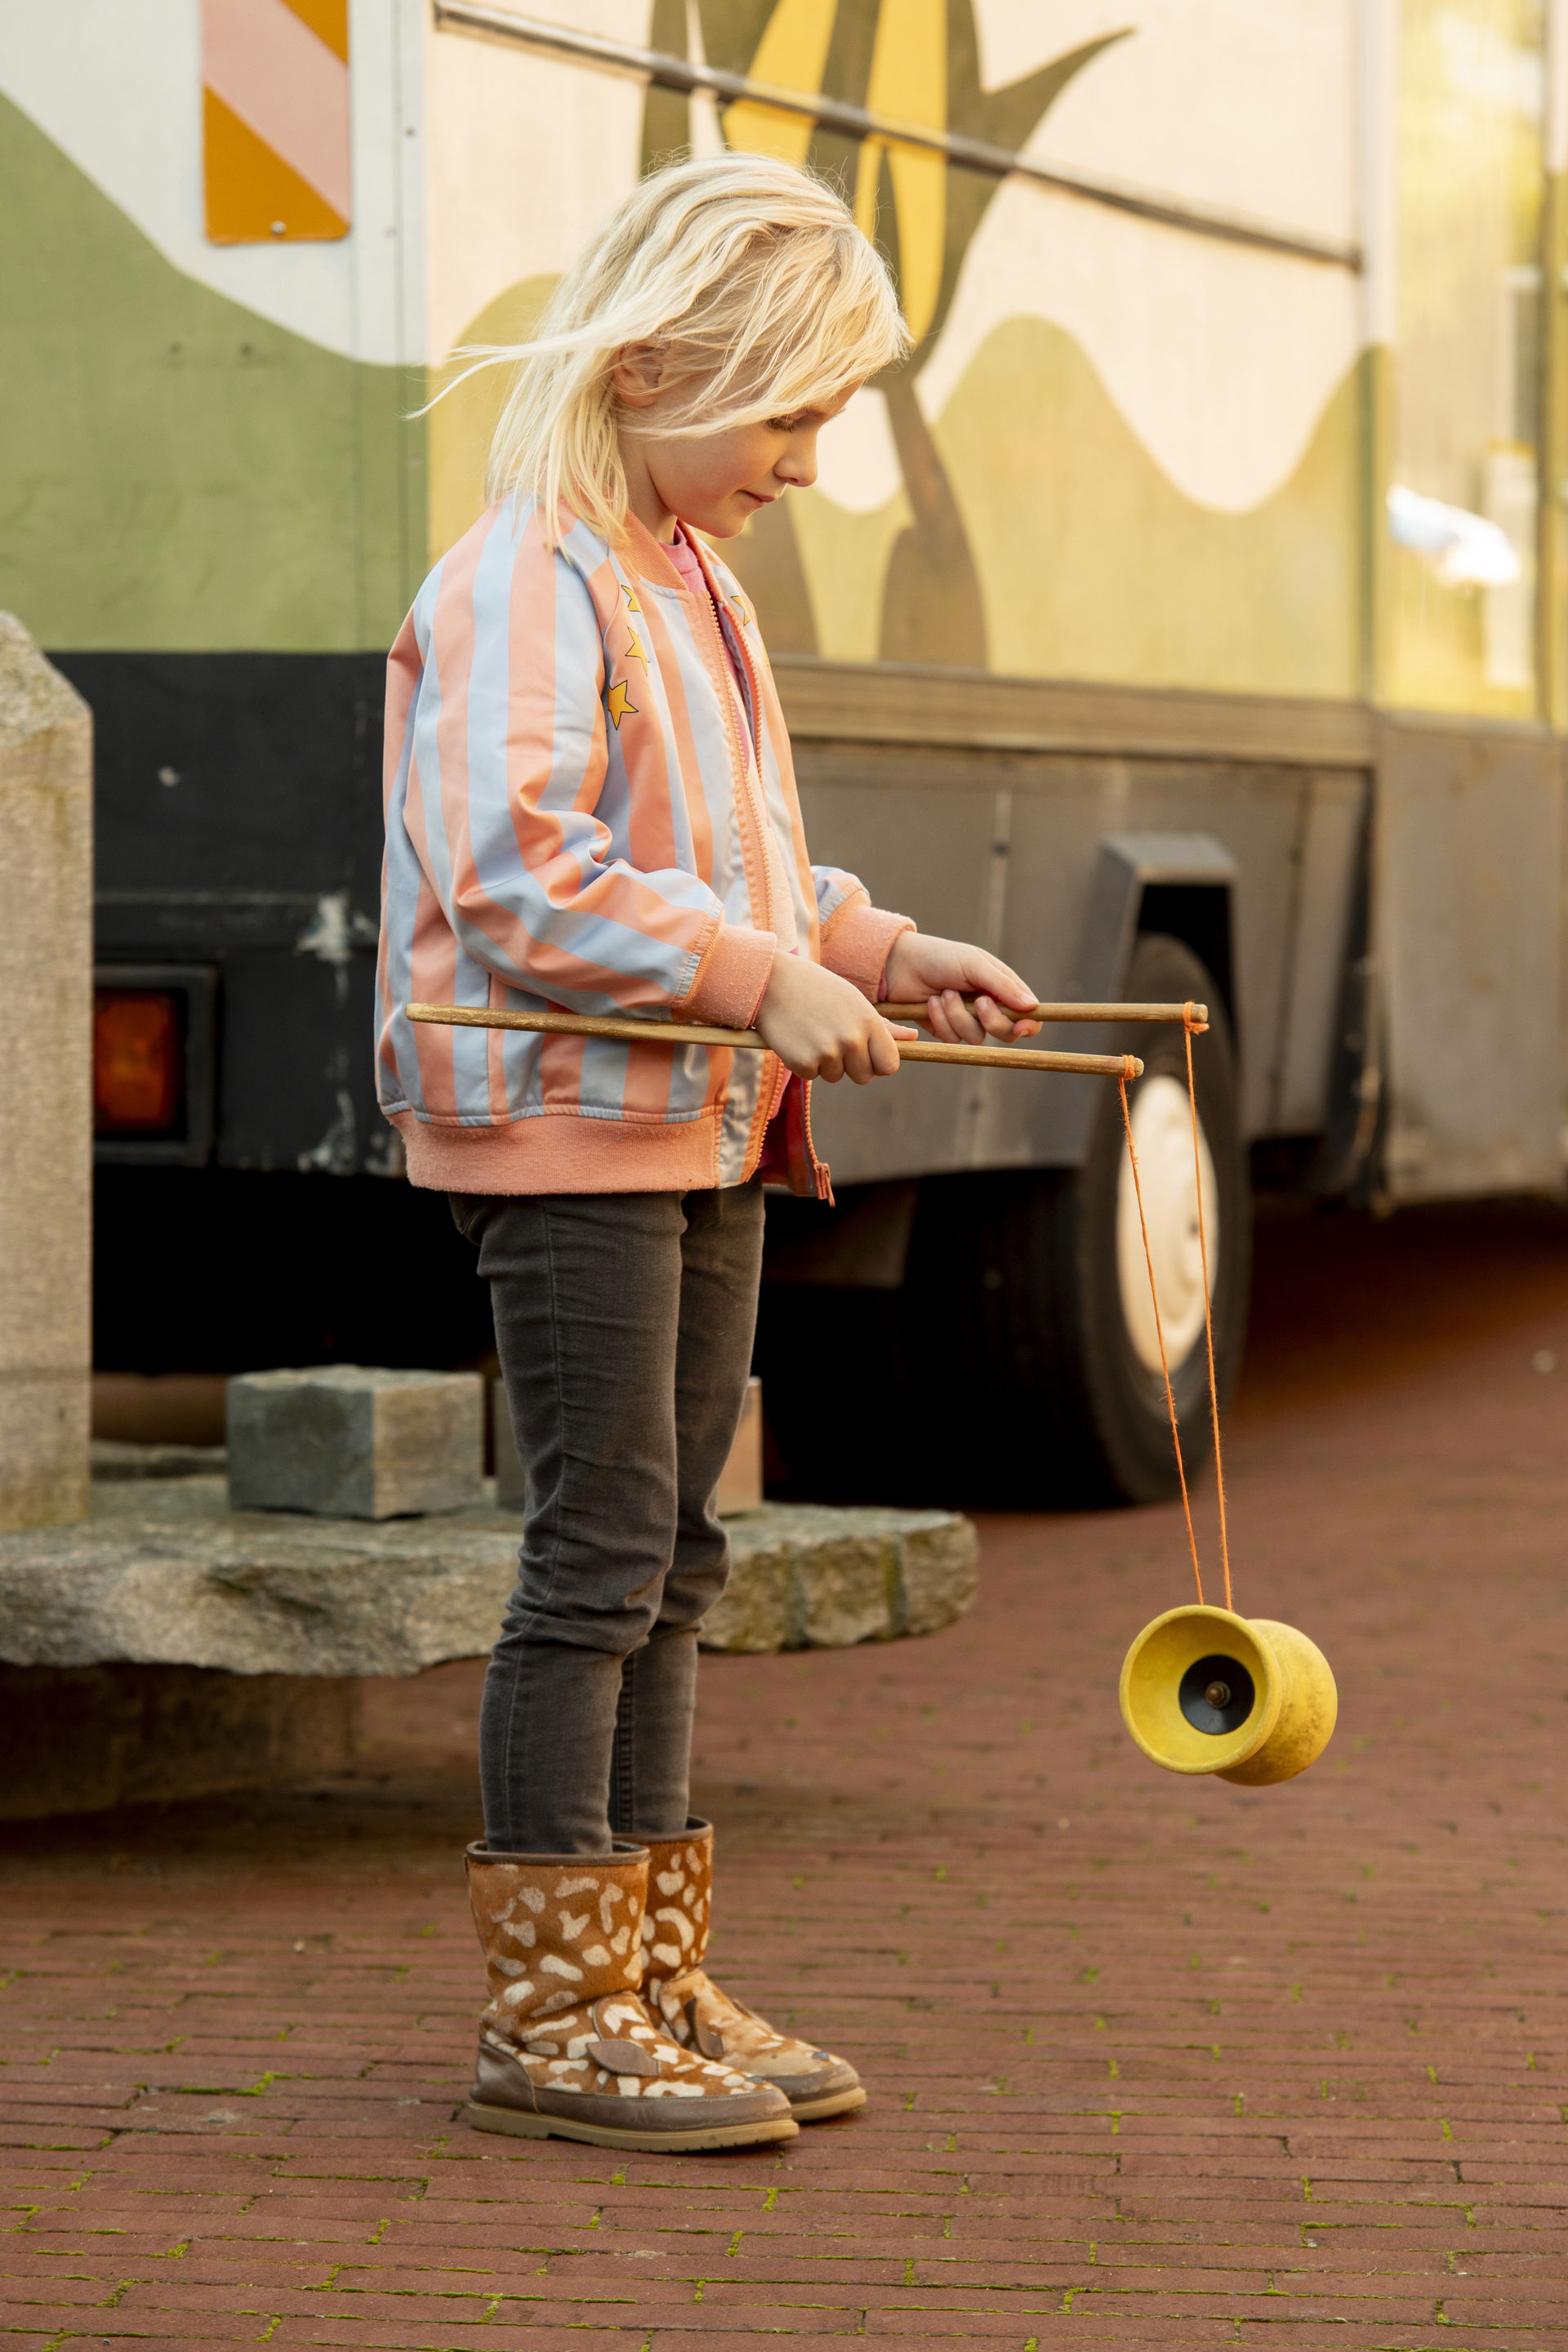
1162 1138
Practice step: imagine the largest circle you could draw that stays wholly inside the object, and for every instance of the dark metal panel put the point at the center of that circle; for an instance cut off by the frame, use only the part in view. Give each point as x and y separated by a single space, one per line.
233 1272
1128 865
297 1086
920 829
236 773
1325 864
1088 885
239 824
1467 934
1007 847
1193 822
916 827
263 856
1137 883
898 702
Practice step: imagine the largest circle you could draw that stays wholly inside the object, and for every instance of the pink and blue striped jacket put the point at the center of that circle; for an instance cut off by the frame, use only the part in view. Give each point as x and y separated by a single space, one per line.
580 815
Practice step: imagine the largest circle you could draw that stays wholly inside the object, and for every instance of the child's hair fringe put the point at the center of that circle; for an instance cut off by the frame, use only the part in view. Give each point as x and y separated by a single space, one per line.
749 280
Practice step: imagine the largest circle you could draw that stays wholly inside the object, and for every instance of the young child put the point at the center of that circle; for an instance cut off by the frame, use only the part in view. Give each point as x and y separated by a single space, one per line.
590 806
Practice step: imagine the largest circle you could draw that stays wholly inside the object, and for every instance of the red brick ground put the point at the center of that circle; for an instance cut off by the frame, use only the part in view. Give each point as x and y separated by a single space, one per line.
1154 2063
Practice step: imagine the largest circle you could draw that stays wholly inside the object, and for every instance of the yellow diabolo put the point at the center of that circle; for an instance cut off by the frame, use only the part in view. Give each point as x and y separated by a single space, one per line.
1203 1690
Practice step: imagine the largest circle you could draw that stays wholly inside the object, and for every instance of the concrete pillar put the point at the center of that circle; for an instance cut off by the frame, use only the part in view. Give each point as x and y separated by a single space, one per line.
46 1088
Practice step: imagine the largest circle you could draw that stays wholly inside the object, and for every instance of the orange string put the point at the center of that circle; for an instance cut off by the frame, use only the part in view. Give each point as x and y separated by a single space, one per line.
1160 1334
1190 1026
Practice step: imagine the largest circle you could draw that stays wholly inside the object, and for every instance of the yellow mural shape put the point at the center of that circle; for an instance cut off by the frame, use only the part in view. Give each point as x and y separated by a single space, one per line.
792 55
908 82
462 423
1094 564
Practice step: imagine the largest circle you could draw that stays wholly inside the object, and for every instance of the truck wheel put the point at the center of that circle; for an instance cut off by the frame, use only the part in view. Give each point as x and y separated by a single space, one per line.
1028 1296
1122 1388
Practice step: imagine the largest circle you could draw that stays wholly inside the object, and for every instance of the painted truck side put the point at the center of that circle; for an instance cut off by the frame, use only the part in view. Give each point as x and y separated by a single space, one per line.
1201 578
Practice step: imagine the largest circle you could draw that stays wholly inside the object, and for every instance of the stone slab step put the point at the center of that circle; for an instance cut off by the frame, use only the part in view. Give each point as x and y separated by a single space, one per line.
163 1573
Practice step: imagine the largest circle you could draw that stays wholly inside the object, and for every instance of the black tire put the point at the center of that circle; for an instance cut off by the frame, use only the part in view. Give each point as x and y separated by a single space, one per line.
1004 1373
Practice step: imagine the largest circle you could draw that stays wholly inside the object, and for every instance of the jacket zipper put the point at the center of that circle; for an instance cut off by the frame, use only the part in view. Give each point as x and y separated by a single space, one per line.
820 1173
754 810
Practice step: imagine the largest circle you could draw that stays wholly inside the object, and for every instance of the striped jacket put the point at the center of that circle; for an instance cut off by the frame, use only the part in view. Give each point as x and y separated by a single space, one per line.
582 814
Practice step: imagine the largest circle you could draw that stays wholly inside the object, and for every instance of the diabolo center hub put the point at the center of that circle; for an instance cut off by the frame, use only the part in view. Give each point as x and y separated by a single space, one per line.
1216 1695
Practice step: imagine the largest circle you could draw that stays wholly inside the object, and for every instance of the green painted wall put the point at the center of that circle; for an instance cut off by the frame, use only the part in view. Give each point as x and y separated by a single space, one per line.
175 472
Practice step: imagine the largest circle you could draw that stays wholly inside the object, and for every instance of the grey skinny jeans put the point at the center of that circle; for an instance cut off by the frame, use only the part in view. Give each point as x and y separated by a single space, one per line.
624 1322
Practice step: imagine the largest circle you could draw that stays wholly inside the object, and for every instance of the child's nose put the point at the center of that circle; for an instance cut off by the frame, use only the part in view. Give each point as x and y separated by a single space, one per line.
798 464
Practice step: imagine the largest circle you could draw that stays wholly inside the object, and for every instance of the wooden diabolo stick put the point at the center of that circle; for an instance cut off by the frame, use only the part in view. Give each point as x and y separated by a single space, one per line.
692 1032
1196 1015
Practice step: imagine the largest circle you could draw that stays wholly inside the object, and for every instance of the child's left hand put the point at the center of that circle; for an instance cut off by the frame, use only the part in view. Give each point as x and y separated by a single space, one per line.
944 971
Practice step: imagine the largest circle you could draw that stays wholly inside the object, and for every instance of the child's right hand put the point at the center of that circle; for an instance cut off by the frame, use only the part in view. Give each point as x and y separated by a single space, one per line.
820 1027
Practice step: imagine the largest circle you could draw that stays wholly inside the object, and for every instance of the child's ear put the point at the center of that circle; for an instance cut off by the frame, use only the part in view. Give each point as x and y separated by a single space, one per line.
638 374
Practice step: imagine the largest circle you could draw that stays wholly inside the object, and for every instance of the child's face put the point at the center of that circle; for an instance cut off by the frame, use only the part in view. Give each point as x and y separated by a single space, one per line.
718 481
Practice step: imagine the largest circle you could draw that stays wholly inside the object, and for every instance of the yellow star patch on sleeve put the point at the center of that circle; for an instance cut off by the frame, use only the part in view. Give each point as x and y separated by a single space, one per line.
620 703
634 651
630 596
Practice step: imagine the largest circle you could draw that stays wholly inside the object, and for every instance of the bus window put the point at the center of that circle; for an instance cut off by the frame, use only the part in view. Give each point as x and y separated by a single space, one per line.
1466 399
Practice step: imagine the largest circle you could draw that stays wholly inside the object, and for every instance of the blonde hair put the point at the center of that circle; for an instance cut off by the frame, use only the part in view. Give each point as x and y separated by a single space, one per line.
749 280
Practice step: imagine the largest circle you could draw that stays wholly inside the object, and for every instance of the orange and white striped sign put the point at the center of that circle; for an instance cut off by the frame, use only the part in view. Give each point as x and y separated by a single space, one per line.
275 102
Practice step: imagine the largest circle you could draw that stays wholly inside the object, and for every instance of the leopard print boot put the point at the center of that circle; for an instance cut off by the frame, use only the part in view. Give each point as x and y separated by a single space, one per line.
691 2008
567 2049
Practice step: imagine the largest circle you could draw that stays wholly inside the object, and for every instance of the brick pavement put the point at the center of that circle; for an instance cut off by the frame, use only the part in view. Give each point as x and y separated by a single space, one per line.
1154 2063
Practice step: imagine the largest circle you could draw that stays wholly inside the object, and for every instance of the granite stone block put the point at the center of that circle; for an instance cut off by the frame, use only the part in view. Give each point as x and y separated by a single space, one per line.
759 1609
347 1440
938 1573
814 1576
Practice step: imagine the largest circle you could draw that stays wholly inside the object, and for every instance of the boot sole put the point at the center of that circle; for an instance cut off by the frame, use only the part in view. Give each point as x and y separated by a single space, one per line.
836 2103
519 2123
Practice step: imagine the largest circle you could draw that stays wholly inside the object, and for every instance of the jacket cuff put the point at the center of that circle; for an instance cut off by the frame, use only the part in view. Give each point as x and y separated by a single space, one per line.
857 941
732 979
